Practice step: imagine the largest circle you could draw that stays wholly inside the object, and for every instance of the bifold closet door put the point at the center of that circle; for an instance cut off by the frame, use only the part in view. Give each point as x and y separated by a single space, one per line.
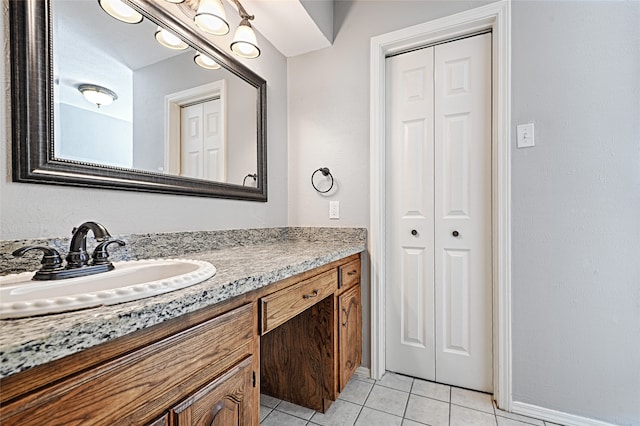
202 144
409 310
438 283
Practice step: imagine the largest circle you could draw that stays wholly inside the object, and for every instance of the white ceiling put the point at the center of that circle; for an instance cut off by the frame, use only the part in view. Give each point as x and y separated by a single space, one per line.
285 23
288 25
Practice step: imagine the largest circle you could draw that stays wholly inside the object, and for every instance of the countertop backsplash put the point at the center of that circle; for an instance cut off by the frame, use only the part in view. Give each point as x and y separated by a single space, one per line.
168 244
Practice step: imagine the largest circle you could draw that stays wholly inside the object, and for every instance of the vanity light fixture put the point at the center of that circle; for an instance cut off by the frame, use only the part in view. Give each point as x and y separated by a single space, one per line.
211 18
97 94
244 42
121 11
170 40
206 62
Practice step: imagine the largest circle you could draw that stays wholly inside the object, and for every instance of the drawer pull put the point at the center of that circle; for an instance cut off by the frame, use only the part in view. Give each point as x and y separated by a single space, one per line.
354 272
346 314
309 296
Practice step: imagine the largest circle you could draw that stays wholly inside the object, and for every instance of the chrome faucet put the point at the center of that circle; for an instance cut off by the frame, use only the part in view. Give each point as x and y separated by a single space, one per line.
79 262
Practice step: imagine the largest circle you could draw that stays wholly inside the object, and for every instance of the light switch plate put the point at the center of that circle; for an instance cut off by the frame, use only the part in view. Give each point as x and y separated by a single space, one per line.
334 209
525 136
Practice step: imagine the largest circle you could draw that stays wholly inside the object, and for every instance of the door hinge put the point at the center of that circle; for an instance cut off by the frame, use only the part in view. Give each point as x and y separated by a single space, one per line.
254 379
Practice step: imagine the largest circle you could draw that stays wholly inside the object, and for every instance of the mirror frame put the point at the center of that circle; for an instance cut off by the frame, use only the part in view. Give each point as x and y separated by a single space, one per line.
32 112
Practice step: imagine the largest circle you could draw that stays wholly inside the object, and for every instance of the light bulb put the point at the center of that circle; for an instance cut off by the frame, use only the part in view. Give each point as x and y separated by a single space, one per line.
206 62
244 42
120 11
97 94
170 40
211 17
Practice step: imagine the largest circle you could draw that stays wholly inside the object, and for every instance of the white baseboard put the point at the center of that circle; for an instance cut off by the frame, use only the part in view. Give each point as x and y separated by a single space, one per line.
363 371
554 416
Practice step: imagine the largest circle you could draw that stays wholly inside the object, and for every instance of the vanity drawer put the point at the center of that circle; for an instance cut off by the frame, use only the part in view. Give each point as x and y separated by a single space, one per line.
281 306
349 274
138 387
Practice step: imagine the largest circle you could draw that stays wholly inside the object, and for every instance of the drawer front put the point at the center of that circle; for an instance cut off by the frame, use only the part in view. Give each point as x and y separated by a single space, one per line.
281 306
349 274
139 387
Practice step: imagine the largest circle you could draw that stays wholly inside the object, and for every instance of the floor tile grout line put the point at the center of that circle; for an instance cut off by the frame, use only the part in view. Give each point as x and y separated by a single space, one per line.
402 417
359 413
471 408
385 412
293 415
406 404
365 401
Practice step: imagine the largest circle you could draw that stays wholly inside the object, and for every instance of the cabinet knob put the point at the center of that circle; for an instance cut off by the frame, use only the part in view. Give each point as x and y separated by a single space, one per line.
414 232
455 233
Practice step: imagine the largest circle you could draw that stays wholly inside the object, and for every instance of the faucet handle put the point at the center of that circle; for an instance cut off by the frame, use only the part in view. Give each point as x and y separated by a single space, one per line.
51 261
100 254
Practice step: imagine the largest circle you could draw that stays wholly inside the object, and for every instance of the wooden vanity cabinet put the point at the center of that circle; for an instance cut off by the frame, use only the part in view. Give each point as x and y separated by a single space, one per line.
314 330
205 365
227 401
299 339
349 334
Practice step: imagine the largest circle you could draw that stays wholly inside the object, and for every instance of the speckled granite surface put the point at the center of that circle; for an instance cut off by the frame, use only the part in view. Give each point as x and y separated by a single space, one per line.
245 260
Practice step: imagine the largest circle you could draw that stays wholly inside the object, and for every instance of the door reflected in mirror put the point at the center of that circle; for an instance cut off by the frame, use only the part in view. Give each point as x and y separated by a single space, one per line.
170 114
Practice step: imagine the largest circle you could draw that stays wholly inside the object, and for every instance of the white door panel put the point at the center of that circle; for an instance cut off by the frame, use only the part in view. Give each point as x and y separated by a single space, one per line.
463 205
203 142
438 286
191 147
410 292
213 143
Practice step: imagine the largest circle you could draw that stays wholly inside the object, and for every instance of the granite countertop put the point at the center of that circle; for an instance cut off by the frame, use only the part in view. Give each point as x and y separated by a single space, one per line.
28 342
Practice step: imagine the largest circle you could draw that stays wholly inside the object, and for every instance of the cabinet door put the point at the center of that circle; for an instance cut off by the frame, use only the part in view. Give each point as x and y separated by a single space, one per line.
227 401
135 388
350 344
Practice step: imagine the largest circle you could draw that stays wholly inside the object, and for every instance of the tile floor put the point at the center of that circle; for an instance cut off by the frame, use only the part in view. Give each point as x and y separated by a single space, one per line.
396 400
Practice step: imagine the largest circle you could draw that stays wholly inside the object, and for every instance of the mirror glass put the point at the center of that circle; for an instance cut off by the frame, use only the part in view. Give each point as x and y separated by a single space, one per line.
168 126
169 115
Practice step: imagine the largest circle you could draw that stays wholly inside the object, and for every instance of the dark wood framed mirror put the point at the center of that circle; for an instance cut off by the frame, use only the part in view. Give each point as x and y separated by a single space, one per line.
35 158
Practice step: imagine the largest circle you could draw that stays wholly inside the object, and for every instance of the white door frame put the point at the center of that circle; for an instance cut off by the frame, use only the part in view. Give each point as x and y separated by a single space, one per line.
497 17
172 135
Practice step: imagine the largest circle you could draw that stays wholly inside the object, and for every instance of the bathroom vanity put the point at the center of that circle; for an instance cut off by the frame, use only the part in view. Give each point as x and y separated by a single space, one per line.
199 355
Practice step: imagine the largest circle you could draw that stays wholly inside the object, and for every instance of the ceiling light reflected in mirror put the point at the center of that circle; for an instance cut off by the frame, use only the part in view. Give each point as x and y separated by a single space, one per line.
169 40
210 17
121 11
206 62
97 94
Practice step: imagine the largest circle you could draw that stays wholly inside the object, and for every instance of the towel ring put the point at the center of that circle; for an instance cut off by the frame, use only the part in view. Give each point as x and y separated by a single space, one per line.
254 176
325 172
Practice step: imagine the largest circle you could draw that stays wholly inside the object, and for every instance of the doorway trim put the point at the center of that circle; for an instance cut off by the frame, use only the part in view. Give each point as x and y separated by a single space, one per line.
496 17
173 103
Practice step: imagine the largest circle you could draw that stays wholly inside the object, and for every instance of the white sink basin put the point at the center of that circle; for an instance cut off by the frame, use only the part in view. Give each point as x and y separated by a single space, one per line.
22 297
